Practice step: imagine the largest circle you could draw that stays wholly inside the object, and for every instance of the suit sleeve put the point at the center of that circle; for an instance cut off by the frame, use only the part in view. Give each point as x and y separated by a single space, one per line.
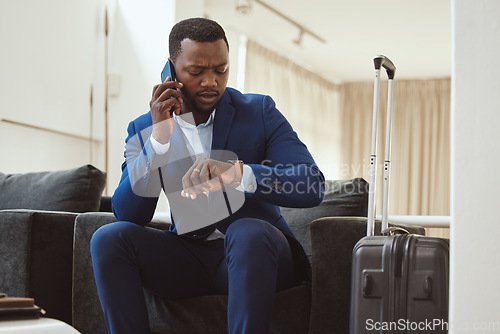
288 176
136 196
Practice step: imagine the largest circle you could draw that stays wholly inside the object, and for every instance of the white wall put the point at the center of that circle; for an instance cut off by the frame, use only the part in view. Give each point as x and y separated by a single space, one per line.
475 230
51 57
138 51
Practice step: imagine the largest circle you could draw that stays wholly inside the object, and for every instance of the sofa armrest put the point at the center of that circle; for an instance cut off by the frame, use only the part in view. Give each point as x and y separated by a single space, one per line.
87 313
36 257
105 204
333 240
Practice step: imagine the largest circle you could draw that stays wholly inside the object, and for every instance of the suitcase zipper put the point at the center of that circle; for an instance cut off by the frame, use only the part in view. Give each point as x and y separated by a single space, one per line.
400 251
400 254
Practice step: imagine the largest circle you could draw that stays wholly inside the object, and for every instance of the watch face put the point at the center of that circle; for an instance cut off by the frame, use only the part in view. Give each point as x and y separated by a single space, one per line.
234 162
239 162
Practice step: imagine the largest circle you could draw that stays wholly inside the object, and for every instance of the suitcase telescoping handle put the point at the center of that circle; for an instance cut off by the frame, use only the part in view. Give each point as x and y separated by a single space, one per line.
388 65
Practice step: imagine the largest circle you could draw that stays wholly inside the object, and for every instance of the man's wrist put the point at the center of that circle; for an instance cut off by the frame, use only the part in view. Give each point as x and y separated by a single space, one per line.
238 168
244 179
238 171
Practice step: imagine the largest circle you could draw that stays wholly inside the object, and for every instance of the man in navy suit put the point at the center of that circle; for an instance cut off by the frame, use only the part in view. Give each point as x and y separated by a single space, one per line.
226 162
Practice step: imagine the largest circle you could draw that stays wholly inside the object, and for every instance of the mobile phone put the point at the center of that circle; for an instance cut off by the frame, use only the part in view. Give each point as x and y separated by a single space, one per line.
168 71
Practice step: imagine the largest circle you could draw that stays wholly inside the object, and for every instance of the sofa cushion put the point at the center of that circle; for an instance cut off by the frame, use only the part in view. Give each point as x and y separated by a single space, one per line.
208 314
342 198
74 190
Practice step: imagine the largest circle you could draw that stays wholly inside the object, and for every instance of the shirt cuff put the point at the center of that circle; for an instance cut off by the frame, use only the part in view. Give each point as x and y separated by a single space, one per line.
248 181
158 147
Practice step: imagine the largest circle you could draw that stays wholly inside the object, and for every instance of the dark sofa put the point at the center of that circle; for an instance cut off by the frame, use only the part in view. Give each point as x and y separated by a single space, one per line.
37 216
45 255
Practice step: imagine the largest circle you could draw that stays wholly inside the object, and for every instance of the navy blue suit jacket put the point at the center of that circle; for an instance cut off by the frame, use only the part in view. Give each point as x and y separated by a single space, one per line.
249 127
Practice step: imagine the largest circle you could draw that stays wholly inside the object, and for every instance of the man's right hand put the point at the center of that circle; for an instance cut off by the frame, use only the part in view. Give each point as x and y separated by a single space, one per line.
165 97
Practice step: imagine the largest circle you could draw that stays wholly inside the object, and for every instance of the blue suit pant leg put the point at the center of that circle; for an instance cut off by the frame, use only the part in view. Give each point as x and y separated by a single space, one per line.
259 263
127 257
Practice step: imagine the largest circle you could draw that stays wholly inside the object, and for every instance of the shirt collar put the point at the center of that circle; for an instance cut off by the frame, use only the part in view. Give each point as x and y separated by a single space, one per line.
185 124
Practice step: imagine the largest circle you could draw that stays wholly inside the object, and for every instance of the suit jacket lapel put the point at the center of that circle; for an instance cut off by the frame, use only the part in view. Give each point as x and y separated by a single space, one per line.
222 123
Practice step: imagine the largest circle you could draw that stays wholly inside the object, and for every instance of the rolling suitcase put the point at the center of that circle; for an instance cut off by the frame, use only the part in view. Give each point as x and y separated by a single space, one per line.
399 281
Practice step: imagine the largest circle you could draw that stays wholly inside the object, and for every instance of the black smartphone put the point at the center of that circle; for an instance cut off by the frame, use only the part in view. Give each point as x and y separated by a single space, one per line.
168 71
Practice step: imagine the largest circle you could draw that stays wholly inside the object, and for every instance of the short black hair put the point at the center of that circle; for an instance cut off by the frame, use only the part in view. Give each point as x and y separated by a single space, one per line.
197 29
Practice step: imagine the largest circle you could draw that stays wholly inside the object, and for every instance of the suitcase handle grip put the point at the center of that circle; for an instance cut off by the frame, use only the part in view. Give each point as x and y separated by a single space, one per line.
394 231
383 61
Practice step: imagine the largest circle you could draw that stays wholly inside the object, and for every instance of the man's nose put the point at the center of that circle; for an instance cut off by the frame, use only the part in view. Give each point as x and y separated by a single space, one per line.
209 80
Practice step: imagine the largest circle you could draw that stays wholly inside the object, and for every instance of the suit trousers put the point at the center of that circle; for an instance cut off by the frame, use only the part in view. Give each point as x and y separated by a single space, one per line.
250 264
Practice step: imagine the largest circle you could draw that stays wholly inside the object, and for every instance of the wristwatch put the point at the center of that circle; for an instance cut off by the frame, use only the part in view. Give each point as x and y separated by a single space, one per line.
240 163
237 162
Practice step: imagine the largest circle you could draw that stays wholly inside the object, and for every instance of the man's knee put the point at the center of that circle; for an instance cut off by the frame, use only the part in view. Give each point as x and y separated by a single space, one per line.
248 230
108 236
252 236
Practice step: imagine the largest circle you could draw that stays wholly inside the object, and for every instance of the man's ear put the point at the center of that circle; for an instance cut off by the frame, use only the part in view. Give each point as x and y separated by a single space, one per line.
172 62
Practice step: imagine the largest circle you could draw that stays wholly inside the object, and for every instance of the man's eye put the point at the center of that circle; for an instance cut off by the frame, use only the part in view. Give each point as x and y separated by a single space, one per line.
195 73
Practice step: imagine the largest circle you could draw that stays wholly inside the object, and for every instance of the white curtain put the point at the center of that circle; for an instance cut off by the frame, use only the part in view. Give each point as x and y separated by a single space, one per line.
309 102
420 158
335 123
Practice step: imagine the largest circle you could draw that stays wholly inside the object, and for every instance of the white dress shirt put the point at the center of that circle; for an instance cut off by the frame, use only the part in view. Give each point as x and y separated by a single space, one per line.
199 145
